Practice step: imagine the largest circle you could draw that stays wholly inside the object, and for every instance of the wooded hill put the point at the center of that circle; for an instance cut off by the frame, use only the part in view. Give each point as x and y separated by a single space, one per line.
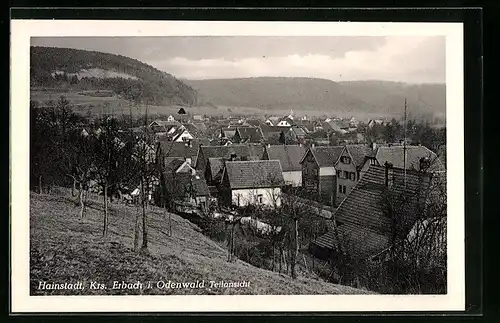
305 94
81 70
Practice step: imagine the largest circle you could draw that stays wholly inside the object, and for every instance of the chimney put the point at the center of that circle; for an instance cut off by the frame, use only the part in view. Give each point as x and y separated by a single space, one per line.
388 174
313 145
268 145
374 146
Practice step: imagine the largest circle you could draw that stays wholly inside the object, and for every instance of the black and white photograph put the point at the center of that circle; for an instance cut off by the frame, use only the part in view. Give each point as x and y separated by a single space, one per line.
264 164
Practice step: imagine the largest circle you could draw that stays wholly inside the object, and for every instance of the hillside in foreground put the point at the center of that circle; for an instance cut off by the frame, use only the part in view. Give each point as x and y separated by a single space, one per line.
65 248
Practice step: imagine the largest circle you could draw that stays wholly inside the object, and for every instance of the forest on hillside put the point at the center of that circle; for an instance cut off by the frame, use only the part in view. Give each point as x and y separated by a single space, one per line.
59 68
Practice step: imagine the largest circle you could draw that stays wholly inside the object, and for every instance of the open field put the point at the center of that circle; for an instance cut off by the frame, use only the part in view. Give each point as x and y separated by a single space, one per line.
96 105
66 248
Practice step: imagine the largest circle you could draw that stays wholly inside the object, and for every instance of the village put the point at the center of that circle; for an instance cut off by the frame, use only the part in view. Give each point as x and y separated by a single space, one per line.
324 189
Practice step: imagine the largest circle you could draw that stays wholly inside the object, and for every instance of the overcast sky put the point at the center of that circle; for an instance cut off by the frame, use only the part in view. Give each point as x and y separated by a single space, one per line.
412 59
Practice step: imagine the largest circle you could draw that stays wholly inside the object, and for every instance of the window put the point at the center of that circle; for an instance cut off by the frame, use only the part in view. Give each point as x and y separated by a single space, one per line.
352 176
346 174
305 171
260 199
339 173
340 188
315 172
345 159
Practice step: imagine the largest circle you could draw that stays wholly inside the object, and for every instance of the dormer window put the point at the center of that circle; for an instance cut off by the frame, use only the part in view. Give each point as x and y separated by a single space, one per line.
345 159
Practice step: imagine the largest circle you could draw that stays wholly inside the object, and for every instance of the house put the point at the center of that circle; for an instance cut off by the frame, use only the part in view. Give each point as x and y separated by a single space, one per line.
164 127
200 126
289 157
185 187
353 122
170 118
247 135
374 122
272 121
365 225
253 122
285 122
363 220
414 154
338 126
227 133
295 134
198 117
349 167
166 151
318 172
224 153
271 134
252 182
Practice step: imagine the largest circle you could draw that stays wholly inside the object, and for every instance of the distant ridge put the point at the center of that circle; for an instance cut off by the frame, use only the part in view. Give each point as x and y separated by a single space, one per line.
383 97
75 69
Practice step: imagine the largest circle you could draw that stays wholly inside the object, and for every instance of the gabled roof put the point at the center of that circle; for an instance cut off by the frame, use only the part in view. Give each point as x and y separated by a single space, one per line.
164 123
216 165
193 130
228 132
249 134
254 174
288 155
180 149
395 156
180 185
299 131
359 153
254 122
225 151
201 126
256 151
325 156
269 131
365 226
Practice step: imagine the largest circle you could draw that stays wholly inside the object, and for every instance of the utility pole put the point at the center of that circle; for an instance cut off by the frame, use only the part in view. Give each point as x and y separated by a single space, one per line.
404 149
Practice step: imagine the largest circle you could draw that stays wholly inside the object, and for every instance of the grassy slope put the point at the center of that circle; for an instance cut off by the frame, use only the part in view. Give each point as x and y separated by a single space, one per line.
65 248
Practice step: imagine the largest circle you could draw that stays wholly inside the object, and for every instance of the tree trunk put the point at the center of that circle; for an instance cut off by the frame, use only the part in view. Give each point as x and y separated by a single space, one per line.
82 204
136 229
86 193
105 224
144 225
170 224
40 189
295 251
73 188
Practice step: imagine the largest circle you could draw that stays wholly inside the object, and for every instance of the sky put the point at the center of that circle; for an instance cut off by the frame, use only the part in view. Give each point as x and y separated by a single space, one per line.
411 59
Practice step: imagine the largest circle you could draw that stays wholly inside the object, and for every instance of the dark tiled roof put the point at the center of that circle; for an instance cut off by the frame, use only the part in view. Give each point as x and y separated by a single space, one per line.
327 156
250 134
254 174
395 156
365 227
173 149
165 123
228 132
358 153
201 126
216 165
173 165
254 122
288 155
180 184
269 131
191 128
256 151
225 151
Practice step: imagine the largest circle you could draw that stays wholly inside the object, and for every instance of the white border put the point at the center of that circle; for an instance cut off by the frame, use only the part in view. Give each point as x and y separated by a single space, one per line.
22 30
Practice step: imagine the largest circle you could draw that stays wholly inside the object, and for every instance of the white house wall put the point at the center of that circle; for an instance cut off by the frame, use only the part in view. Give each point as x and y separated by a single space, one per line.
185 136
243 197
327 171
293 178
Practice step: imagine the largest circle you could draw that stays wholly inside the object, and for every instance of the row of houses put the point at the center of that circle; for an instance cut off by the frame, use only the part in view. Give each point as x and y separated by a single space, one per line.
328 173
